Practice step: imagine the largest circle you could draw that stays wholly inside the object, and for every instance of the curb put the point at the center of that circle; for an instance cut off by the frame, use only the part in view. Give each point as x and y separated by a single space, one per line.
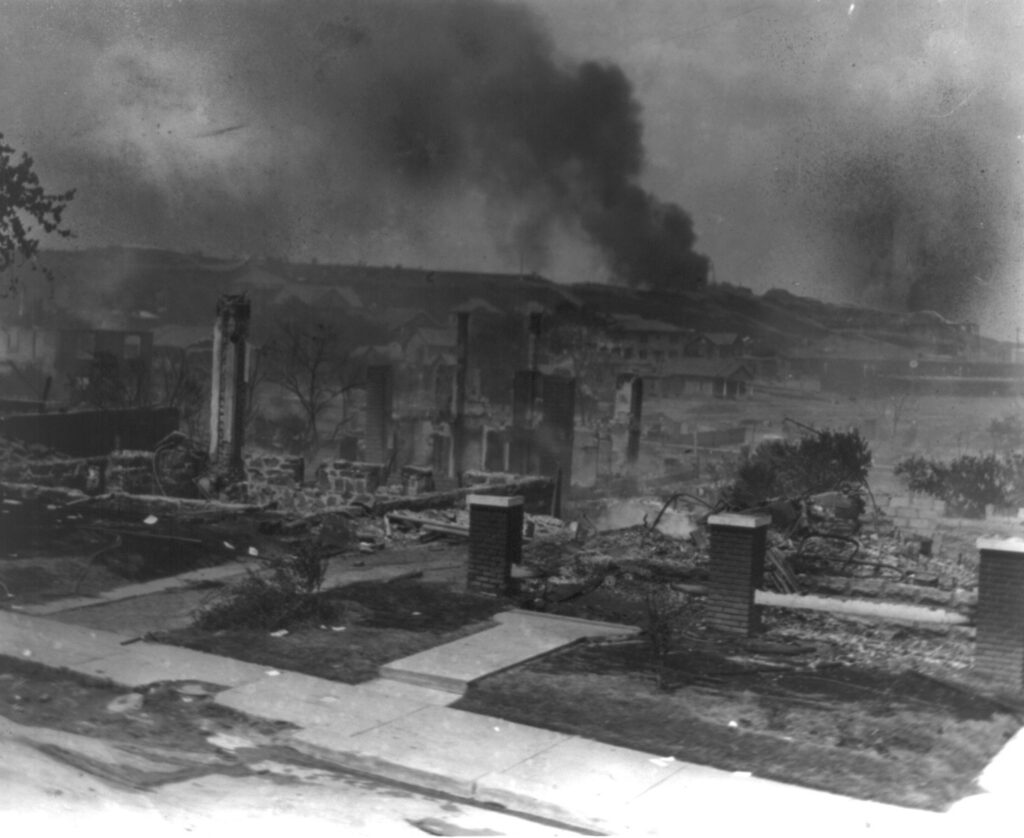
428 781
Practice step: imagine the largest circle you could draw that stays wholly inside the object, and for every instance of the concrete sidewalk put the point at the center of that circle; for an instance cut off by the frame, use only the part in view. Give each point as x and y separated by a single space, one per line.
406 732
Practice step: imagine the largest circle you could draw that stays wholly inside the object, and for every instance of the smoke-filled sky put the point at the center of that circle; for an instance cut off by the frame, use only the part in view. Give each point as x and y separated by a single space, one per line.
862 151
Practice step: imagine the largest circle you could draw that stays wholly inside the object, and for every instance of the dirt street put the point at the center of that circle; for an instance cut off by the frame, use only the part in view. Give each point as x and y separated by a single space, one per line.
88 756
41 792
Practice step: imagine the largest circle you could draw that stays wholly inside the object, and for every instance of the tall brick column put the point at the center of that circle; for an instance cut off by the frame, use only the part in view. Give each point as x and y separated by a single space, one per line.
999 647
495 542
737 568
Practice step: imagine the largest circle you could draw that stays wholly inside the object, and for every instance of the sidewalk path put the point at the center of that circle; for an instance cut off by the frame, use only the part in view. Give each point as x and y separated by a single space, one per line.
406 732
167 604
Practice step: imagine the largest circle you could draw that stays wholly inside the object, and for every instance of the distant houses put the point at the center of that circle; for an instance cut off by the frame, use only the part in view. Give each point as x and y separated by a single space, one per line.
717 378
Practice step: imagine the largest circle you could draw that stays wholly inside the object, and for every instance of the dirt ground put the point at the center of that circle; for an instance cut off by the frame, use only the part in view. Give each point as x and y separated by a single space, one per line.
826 709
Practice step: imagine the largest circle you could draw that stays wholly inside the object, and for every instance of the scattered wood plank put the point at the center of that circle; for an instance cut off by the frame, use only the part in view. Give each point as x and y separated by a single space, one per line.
134 533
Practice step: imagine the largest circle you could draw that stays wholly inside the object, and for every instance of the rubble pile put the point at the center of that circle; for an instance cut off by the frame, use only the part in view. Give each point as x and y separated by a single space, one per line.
851 641
573 562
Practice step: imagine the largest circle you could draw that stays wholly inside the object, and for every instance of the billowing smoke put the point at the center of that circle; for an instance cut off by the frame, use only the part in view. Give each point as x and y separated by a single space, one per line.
408 130
915 187
866 152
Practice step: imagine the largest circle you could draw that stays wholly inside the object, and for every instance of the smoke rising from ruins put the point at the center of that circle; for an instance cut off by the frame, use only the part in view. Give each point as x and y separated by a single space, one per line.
863 153
302 128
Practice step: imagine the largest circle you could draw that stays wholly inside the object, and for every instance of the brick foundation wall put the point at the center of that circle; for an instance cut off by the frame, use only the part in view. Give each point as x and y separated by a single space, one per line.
274 478
131 472
87 474
358 481
417 480
495 542
919 514
999 650
737 568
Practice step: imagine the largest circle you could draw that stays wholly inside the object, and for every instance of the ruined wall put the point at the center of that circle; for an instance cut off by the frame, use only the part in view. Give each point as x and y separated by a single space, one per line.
925 516
272 478
130 472
269 479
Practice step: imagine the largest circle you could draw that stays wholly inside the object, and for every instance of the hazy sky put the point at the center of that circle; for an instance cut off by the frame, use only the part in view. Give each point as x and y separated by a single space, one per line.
867 151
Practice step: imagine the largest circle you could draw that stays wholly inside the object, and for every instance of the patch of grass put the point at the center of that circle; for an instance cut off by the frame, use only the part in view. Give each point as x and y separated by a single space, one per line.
372 623
906 740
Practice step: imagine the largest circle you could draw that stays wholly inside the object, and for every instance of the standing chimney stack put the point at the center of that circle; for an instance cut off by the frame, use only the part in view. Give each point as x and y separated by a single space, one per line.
535 319
228 385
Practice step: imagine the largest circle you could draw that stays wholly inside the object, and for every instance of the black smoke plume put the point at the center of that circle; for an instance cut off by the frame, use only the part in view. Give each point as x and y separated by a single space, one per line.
333 128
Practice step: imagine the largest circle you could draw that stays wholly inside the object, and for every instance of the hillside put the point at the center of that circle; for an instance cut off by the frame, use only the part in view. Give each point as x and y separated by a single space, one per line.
127 287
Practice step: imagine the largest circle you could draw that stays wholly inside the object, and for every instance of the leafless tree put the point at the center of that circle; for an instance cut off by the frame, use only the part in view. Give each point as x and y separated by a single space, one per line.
307 360
111 383
181 383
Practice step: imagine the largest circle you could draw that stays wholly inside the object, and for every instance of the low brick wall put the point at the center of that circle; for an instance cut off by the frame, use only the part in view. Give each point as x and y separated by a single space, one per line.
417 480
919 514
273 478
131 472
923 514
87 474
488 478
279 479
358 481
270 479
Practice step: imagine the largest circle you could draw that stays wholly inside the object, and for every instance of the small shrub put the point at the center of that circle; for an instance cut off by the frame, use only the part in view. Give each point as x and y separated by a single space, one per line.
307 569
968 483
662 614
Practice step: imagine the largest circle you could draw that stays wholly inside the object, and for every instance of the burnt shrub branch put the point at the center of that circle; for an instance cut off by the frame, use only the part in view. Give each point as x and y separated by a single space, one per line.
820 462
286 591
